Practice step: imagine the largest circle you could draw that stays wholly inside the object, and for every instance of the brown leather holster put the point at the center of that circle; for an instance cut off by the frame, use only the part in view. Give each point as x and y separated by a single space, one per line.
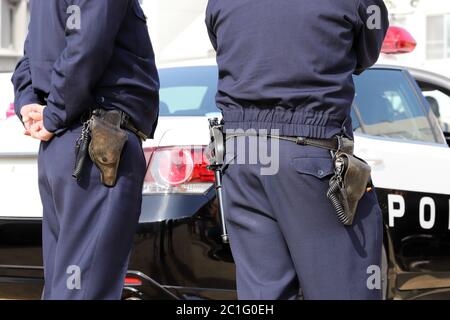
107 142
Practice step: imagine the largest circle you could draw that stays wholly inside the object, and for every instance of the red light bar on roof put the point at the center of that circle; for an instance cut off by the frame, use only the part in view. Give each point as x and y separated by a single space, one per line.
398 40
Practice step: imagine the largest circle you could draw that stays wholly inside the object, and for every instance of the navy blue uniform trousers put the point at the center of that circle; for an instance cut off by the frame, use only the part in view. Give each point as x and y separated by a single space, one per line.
284 233
87 228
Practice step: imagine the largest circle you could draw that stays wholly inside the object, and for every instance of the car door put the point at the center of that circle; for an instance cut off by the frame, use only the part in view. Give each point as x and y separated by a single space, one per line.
396 132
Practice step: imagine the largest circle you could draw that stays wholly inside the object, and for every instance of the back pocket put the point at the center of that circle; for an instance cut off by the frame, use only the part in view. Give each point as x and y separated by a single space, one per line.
317 167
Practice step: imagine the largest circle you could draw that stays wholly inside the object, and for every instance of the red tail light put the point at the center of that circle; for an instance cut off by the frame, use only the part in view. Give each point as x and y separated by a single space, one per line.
398 40
10 112
177 169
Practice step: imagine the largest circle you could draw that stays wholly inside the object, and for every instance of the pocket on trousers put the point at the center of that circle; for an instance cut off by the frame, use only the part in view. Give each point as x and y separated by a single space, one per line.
317 167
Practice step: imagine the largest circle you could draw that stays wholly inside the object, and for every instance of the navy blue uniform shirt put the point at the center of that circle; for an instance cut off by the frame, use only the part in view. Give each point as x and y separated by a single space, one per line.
107 61
288 64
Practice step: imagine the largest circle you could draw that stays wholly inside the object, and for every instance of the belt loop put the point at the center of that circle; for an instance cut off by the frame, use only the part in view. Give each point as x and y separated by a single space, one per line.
340 143
344 133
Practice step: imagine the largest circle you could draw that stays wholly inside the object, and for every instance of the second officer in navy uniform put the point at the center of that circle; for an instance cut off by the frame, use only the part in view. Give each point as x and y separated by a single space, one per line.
82 55
287 66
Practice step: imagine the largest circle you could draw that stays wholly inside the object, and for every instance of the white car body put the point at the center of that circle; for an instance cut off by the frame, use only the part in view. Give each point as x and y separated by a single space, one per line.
6 93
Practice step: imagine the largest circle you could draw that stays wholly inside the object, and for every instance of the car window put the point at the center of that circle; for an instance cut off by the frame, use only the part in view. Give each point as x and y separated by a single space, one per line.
440 105
183 98
187 91
387 105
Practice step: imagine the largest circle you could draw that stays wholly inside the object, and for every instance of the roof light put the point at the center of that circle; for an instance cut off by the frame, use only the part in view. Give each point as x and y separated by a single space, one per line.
398 40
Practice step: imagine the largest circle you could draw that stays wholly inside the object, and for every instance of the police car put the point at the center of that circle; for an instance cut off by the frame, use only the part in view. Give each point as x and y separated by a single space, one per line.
178 252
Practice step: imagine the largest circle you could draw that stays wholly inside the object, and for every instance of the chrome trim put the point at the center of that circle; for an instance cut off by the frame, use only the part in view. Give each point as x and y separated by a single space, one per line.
17 267
9 155
414 142
423 280
34 219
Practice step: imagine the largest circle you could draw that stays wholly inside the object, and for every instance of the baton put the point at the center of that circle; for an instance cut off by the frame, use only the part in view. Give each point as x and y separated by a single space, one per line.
216 156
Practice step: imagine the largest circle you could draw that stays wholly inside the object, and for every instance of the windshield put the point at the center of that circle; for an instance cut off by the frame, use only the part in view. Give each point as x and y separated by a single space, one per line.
386 104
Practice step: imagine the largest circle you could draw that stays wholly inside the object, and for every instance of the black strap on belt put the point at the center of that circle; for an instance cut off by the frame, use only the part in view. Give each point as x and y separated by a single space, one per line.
329 144
127 123
332 144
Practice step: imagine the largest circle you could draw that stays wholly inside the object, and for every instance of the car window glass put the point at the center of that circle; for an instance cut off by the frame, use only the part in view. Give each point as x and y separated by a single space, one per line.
182 99
188 91
386 105
440 105
355 120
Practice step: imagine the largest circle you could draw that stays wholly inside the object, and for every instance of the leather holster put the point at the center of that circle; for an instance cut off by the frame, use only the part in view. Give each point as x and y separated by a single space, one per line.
348 185
107 142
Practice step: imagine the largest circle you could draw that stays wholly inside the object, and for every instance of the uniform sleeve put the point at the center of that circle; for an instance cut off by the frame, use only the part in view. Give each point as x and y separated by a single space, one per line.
88 50
23 86
373 23
210 24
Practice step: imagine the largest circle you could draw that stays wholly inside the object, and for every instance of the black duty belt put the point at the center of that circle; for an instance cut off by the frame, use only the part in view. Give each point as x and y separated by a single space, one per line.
332 144
126 123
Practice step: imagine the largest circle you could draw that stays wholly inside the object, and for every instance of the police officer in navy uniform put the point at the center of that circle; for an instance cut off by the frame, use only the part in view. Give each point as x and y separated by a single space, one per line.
81 54
286 66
